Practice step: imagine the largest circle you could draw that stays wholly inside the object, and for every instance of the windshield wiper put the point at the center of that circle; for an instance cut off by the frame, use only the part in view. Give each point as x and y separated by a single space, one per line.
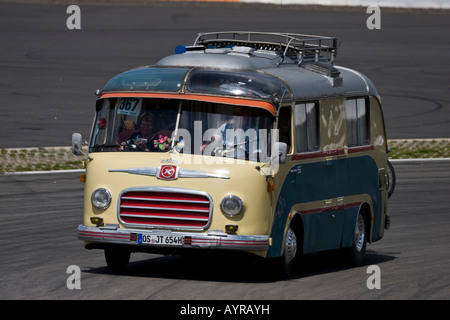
103 146
234 146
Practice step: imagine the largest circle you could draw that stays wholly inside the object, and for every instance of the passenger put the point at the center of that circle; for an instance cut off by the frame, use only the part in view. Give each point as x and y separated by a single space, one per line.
129 128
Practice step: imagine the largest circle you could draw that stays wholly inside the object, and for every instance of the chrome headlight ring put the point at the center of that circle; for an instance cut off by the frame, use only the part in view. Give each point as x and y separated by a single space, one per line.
231 205
101 198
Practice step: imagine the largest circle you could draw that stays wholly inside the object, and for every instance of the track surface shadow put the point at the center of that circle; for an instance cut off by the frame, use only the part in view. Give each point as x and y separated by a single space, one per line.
235 267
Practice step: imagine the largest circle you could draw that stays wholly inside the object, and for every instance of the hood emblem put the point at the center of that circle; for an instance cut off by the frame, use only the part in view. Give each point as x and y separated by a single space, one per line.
169 172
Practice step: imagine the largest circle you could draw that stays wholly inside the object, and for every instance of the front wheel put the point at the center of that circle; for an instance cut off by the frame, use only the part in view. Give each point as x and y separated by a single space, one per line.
117 258
286 261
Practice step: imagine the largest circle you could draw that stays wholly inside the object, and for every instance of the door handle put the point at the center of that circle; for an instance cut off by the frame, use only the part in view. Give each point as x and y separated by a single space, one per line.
296 170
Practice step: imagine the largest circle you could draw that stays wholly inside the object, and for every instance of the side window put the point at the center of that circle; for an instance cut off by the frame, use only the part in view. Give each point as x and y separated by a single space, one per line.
358 126
284 126
306 121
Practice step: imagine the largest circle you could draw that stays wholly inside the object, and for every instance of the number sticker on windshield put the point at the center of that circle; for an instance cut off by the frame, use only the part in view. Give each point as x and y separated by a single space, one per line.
130 106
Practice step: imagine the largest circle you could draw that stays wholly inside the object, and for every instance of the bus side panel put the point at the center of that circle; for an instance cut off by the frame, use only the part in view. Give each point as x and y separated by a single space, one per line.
327 226
362 178
303 184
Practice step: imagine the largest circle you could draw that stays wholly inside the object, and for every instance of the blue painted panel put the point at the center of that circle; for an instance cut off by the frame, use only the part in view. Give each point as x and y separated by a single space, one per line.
327 180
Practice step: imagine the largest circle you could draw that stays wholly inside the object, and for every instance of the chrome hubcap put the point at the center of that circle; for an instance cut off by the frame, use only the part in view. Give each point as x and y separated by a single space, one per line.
359 233
290 247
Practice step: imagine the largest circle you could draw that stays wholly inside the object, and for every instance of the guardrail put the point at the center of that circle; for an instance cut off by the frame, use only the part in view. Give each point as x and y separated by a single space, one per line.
46 159
422 4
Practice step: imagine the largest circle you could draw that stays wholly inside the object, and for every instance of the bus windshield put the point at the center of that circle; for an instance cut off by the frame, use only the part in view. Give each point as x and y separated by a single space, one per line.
150 125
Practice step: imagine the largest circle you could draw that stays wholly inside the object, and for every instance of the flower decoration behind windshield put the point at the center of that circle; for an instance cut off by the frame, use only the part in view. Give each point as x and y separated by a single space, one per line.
162 142
101 124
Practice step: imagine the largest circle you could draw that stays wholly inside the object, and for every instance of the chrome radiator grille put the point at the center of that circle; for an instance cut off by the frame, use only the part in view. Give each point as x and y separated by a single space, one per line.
165 208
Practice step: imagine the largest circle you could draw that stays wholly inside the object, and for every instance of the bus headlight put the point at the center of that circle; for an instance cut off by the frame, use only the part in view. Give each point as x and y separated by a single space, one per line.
231 205
101 198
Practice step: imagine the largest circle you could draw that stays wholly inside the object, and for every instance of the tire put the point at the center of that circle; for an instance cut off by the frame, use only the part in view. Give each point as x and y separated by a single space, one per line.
117 258
391 179
287 260
358 250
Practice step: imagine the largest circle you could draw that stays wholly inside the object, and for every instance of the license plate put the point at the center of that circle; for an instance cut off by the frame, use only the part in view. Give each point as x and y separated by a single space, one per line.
160 239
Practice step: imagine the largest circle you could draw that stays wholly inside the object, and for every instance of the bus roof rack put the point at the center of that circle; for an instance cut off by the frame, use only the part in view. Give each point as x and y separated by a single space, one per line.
302 44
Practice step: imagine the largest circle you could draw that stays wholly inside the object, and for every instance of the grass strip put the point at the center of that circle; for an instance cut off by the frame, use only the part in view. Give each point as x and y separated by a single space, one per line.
61 158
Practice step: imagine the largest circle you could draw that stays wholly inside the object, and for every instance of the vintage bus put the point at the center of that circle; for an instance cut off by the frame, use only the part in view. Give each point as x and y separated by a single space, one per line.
248 141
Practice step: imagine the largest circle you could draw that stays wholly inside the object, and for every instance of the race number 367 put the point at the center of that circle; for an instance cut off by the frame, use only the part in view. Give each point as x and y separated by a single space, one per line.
129 106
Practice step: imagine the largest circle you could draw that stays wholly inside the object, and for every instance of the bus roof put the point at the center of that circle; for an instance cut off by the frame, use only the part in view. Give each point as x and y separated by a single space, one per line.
259 65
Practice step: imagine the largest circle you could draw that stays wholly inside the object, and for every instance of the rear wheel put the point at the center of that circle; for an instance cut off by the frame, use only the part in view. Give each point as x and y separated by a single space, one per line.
358 249
117 258
391 178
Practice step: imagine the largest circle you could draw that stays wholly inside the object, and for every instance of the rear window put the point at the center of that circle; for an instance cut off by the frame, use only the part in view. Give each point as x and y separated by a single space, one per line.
357 112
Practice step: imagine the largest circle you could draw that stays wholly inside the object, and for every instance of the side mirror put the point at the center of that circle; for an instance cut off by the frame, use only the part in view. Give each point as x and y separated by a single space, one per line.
282 151
77 144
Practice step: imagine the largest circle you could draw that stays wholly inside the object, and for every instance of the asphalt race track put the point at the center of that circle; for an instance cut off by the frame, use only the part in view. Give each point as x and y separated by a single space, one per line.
48 76
49 73
40 214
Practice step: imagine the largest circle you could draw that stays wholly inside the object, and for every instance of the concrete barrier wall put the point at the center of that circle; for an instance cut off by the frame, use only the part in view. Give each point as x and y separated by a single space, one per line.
431 4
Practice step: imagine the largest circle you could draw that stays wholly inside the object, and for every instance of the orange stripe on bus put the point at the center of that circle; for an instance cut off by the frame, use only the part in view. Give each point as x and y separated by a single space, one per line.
234 101
200 0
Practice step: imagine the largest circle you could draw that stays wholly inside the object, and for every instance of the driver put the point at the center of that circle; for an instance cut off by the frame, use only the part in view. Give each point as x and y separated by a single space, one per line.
236 138
146 138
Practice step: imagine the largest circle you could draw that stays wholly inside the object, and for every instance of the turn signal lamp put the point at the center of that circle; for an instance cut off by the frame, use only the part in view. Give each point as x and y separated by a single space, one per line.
231 229
97 221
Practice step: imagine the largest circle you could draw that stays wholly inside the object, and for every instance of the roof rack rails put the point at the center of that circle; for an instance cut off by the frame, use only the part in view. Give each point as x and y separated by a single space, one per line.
302 44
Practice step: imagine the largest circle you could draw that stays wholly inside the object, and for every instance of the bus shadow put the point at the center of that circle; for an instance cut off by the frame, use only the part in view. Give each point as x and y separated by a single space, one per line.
334 261
235 267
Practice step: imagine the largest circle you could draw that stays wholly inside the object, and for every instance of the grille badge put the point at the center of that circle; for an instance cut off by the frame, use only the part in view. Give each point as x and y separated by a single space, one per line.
180 172
167 172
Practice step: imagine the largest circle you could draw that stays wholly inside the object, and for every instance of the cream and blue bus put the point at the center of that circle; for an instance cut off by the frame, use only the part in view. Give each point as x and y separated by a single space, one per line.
243 141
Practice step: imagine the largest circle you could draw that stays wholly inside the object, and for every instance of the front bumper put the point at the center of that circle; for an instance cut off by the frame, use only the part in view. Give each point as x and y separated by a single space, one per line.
210 240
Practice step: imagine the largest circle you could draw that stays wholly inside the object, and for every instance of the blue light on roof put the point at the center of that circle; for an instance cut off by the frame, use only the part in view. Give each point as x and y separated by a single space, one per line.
180 49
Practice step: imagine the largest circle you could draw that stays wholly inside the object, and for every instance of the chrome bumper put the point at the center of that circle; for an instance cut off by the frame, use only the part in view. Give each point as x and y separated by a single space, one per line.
210 240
